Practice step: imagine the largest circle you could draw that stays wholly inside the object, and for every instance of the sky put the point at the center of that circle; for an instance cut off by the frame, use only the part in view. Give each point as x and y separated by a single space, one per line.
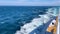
30 2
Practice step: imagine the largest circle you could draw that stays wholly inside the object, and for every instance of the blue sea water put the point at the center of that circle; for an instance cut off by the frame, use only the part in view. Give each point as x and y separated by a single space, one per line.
13 17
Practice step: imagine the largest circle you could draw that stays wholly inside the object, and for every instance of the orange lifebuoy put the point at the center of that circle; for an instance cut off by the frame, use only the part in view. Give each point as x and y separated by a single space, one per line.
54 28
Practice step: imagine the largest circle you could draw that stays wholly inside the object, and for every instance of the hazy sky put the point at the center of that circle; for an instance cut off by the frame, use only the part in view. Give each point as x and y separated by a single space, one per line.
31 2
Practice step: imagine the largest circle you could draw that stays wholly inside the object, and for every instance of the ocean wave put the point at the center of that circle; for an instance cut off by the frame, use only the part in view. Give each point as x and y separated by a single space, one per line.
12 18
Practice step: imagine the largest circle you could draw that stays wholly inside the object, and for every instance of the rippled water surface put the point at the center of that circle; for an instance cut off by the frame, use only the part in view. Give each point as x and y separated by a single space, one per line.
12 17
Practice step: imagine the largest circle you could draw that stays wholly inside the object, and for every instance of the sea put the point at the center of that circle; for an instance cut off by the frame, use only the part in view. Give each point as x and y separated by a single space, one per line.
13 17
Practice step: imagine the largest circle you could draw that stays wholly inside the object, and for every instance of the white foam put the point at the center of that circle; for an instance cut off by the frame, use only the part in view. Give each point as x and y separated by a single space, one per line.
36 22
31 26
